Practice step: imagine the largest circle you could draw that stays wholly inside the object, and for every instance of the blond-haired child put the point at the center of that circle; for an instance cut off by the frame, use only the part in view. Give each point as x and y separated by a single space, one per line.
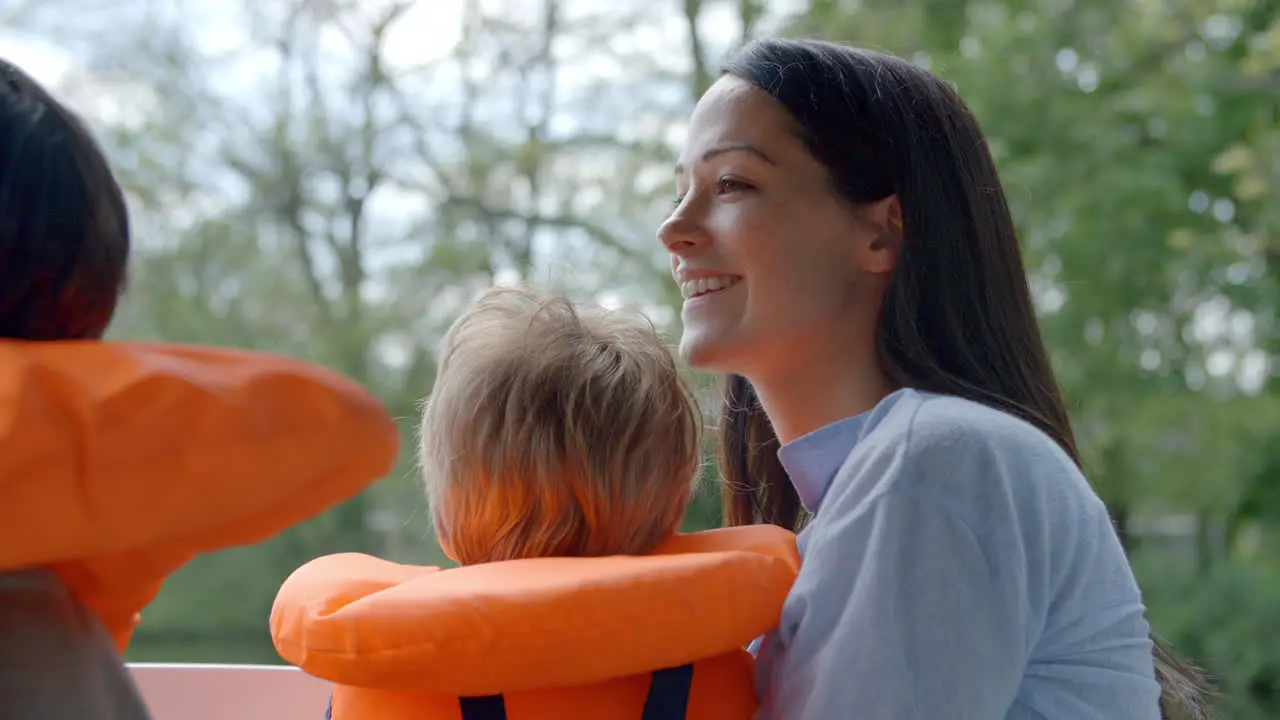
559 448
556 429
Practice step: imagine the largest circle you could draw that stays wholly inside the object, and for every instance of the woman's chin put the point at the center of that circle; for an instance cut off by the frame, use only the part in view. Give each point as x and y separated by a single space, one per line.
707 350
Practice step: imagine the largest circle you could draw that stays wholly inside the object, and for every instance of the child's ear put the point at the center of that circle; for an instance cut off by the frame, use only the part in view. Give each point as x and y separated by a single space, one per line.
444 545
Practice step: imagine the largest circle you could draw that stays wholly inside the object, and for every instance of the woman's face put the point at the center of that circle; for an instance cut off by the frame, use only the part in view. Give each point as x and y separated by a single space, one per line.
776 268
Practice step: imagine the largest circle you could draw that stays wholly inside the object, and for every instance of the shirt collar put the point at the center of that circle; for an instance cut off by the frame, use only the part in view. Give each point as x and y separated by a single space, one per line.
813 460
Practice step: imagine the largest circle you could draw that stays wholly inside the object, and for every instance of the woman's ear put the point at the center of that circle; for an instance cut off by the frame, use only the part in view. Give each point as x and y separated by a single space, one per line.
884 218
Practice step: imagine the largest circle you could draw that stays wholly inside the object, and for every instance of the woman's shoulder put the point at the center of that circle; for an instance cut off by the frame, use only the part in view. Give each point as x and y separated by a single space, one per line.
950 429
972 458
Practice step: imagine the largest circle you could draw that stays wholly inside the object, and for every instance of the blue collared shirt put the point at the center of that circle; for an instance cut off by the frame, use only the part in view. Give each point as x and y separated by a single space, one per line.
958 566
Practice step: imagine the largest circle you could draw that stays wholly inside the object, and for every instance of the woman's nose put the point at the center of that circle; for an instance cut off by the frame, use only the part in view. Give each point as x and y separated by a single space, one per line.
680 234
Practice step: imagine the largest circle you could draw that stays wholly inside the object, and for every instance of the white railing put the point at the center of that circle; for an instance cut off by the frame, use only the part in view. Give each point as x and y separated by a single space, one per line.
230 692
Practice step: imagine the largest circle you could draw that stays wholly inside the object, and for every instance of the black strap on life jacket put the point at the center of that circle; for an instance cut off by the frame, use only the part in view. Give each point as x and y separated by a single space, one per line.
668 698
669 694
488 707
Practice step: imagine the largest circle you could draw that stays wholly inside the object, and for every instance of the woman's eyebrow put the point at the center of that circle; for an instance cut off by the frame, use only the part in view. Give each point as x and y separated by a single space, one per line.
728 148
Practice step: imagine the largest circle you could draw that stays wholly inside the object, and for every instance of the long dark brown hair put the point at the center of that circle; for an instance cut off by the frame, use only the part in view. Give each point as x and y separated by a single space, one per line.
958 318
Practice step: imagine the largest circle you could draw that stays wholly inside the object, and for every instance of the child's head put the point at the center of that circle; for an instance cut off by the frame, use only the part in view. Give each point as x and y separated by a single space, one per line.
64 228
556 429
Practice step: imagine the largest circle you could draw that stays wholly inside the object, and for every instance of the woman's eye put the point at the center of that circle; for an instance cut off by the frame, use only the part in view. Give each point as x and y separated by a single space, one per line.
724 186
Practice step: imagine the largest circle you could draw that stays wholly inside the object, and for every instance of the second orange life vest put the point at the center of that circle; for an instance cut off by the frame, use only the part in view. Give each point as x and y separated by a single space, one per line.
120 461
658 637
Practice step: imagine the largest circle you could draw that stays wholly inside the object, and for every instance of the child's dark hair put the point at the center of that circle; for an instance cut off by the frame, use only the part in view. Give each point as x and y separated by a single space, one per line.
64 225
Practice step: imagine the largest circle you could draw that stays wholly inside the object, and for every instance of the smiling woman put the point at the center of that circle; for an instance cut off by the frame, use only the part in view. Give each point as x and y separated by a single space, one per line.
887 379
750 196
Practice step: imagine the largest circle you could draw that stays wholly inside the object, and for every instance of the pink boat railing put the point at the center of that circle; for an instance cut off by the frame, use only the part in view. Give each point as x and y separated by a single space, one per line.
222 692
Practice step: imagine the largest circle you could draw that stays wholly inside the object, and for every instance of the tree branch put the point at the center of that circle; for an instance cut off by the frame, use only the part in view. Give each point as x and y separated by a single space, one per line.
593 230
700 79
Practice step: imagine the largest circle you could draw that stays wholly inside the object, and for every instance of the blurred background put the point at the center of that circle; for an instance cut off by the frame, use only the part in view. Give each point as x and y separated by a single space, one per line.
332 179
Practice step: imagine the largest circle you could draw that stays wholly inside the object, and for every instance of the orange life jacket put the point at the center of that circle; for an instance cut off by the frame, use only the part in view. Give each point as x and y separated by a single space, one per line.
120 461
653 637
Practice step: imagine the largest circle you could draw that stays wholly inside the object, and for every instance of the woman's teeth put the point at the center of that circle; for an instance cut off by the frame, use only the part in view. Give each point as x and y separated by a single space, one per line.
702 286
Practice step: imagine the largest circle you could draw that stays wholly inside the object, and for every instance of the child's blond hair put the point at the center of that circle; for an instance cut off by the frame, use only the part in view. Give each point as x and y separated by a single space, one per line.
556 429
